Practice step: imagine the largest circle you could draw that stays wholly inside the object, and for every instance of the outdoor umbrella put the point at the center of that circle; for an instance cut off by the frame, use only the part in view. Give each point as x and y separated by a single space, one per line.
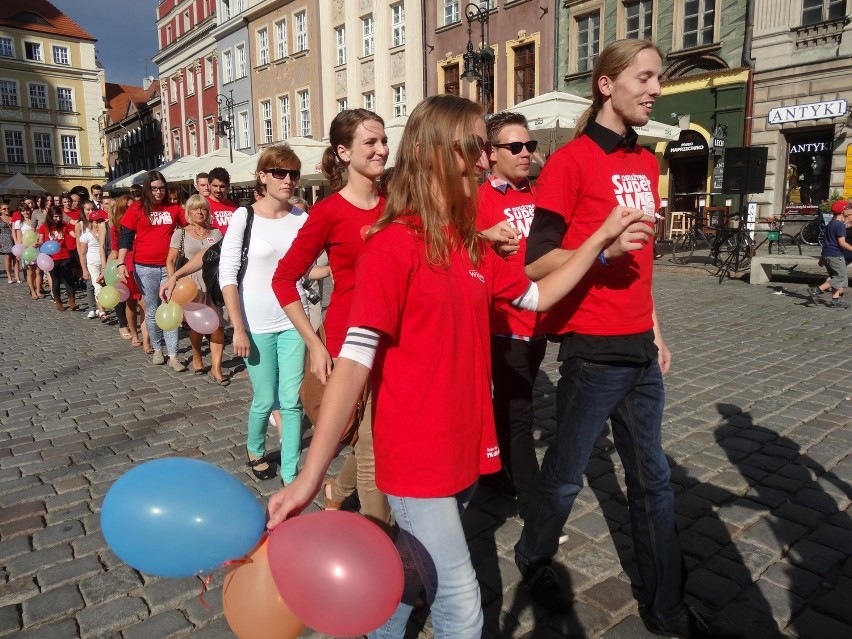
19 184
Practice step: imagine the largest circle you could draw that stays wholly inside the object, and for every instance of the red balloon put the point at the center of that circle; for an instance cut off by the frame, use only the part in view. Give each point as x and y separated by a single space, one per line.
337 571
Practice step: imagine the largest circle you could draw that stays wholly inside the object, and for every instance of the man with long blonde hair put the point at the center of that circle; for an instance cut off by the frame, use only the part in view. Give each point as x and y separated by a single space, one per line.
613 356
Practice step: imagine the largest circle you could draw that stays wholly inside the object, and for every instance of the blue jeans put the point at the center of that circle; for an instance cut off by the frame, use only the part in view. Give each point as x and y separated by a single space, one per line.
276 366
435 555
149 279
632 398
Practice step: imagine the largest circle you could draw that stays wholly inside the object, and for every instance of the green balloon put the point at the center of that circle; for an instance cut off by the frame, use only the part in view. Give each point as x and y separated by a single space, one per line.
169 316
108 297
28 238
111 273
30 254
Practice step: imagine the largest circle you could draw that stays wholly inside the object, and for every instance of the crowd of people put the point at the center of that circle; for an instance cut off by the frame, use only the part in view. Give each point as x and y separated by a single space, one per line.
444 288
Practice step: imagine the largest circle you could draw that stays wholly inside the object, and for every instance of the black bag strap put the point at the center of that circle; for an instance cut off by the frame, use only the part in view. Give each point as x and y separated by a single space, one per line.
246 242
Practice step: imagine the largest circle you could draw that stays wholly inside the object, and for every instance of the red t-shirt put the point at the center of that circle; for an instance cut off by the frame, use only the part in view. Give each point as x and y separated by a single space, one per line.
221 213
71 216
516 208
16 217
61 235
433 422
151 245
583 184
339 228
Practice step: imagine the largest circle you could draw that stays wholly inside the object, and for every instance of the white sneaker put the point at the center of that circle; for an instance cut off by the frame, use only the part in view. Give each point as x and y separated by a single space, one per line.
92 315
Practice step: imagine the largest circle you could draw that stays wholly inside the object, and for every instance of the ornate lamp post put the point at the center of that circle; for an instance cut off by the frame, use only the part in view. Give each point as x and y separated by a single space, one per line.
225 128
478 65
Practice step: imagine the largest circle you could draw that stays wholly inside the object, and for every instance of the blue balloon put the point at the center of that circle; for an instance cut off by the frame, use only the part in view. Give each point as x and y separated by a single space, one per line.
51 247
178 517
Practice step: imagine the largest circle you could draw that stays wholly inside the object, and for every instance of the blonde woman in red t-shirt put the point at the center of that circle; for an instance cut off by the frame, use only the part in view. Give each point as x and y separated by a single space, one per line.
353 162
419 321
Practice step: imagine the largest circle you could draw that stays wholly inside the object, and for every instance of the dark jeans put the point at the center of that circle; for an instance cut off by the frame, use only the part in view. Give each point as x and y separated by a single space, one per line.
515 364
632 397
63 270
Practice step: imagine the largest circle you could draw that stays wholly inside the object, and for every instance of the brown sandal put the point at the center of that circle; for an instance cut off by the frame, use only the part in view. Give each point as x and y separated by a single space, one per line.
328 501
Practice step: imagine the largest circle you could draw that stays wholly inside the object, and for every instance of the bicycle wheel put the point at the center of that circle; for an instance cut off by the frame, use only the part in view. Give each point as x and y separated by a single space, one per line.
789 243
682 248
810 233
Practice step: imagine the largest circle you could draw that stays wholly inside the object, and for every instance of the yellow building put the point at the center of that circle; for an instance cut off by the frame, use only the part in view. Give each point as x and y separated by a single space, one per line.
51 98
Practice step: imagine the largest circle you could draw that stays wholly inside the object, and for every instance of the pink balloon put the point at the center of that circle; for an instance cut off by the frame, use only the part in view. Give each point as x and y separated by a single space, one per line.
44 262
337 571
123 291
18 249
200 317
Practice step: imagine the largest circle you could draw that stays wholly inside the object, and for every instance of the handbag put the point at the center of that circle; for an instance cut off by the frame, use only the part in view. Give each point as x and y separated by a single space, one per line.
210 262
311 392
181 259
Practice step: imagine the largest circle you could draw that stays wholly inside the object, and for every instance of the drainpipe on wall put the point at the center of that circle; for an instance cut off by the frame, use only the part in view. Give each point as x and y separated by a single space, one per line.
748 62
423 38
556 44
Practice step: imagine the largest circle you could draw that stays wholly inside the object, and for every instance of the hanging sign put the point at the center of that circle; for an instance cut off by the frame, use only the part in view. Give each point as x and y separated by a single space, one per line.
802 112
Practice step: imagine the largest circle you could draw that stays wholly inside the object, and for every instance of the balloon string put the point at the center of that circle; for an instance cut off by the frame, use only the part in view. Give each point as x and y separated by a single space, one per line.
205 581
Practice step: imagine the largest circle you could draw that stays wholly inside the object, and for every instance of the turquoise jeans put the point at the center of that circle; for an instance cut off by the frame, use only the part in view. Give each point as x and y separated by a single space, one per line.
276 366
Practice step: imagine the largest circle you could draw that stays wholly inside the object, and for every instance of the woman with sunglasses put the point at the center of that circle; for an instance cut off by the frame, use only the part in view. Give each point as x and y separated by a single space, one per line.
56 228
147 229
353 163
420 320
273 350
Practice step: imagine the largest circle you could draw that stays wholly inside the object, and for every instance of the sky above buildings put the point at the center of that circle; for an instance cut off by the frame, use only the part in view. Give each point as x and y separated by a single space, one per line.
126 34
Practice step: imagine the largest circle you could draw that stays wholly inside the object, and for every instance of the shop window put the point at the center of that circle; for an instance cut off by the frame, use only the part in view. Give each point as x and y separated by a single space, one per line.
808 169
524 72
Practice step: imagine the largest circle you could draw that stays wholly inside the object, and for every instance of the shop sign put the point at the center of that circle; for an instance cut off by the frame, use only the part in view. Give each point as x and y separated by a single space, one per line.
810 147
719 140
802 112
689 144
718 174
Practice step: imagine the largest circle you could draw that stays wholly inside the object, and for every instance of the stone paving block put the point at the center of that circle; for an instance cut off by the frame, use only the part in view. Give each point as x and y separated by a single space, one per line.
21 527
591 619
34 561
66 629
814 625
712 589
96 621
14 548
68 499
783 604
198 614
612 595
52 605
730 569
591 525
17 590
629 628
741 512
814 557
163 626
73 571
103 586
76 512
218 629
754 558
697 544
70 484
171 593
593 562
498 575
33 493
57 534
10 620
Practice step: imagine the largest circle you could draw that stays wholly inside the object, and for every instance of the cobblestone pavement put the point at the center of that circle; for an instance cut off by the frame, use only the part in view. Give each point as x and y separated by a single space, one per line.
756 428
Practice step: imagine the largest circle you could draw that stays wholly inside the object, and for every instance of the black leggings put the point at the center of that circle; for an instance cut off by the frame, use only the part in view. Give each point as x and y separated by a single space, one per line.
121 314
63 270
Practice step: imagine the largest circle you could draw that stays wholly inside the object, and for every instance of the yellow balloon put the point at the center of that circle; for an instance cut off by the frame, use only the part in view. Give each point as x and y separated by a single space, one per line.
28 238
109 296
111 273
169 316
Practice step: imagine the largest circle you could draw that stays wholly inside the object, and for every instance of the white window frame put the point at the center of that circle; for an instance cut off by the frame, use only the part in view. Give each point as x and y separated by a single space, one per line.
173 90
208 71
227 66
9 94
226 10
451 13
59 57
189 79
266 120
645 19
367 30
240 70
370 100
187 21
7 48
43 152
342 104
398 95
70 152
281 38
704 7
262 46
301 19
340 39
826 8
40 49
63 100
15 153
243 122
192 133
36 96
585 60
304 98
210 127
176 143
397 24
284 116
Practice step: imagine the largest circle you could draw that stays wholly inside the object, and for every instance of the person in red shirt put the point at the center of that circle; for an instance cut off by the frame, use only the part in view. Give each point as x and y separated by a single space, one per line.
221 208
338 224
517 339
419 320
147 229
56 228
126 312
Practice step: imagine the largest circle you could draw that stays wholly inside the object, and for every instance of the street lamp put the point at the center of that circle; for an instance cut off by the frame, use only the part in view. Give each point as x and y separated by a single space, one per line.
478 65
225 128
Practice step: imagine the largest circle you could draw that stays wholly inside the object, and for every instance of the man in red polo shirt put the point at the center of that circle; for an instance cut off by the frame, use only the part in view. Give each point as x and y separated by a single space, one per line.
221 208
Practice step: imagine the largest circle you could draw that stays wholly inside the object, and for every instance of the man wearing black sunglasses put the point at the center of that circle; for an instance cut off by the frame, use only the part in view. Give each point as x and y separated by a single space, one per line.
517 342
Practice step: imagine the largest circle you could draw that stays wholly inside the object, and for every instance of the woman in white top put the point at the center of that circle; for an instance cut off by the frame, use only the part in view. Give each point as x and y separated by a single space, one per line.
273 350
31 272
90 247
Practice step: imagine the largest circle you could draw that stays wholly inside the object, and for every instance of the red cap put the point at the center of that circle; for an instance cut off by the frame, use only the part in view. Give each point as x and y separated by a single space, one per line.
839 206
97 216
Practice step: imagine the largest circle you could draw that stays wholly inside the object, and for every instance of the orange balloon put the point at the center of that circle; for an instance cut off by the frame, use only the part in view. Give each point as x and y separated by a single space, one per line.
253 607
185 290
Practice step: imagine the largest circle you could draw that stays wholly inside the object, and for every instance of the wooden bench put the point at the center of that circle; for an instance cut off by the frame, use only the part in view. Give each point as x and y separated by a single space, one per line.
761 265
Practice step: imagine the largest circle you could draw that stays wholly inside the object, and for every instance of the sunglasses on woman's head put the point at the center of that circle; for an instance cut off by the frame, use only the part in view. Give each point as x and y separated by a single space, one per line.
280 174
515 147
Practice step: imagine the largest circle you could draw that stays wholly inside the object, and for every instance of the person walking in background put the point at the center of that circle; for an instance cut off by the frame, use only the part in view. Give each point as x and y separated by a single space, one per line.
147 229
517 339
352 163
273 350
833 249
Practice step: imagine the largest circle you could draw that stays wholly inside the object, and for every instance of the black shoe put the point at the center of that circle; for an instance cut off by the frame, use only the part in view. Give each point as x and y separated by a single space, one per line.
689 624
814 293
543 586
267 473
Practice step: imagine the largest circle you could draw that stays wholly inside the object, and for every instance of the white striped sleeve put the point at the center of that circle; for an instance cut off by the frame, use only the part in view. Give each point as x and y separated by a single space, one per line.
529 300
360 345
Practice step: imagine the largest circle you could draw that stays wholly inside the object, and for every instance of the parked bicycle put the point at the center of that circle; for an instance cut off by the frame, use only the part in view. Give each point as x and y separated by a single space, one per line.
813 233
740 247
684 247
779 240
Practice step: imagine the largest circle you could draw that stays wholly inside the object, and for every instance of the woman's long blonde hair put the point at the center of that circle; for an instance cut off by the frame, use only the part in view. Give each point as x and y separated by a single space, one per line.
614 59
438 130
